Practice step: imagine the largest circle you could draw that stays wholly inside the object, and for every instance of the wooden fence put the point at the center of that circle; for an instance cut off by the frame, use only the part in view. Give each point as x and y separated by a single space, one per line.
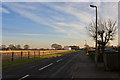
112 61
27 54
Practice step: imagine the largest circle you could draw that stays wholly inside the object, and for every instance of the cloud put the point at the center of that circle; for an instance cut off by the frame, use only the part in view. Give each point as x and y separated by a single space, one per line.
58 18
24 6
70 25
109 11
73 10
70 28
4 10
31 34
26 11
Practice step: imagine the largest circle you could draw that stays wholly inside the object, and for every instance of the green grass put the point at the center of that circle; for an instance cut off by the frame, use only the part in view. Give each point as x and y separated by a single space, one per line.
10 64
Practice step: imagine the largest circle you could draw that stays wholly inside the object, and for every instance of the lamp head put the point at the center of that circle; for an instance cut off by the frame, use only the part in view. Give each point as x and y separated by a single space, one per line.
92 6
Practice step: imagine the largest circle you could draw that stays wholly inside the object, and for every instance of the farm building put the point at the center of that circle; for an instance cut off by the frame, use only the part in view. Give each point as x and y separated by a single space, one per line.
67 48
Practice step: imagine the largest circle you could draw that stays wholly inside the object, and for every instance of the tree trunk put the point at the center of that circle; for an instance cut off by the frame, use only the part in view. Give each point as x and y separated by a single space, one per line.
103 46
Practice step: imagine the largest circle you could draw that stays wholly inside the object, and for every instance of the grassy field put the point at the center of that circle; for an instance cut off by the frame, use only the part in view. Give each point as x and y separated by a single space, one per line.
10 64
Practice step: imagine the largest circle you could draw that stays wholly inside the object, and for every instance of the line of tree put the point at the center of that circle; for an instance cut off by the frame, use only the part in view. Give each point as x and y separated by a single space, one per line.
14 47
25 47
59 47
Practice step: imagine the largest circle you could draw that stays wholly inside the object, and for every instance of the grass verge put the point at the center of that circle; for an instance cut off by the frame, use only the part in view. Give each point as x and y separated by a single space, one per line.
16 63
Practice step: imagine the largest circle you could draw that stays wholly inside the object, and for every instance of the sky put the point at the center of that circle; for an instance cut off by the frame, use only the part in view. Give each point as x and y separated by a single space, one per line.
40 24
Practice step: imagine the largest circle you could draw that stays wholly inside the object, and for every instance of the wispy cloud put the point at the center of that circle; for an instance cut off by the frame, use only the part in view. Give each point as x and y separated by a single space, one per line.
73 10
70 25
4 10
31 34
24 10
109 11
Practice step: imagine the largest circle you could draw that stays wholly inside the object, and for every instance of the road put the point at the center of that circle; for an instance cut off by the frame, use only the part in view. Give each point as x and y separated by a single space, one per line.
72 65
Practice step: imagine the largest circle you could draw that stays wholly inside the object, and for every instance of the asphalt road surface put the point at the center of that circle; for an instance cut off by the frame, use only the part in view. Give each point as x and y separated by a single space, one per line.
72 65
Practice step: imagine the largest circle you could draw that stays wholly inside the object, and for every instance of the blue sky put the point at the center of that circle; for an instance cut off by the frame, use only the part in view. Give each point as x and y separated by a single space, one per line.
40 24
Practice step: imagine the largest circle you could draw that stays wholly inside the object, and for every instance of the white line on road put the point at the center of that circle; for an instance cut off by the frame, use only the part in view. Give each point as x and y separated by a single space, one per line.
46 66
59 60
23 77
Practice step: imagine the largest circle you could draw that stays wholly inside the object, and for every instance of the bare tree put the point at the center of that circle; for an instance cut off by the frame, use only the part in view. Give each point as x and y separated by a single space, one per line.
106 32
26 46
12 47
56 46
18 47
3 47
59 47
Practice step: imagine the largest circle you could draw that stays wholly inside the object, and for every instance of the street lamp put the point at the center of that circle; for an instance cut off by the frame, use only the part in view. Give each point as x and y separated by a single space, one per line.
96 33
85 42
92 6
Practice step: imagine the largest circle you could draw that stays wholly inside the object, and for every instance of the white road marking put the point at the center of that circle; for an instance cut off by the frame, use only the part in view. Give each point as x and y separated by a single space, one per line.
23 77
46 66
59 60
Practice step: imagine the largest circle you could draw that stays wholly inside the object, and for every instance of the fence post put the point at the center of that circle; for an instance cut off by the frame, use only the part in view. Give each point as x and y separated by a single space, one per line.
51 51
34 54
43 52
12 56
55 51
28 55
105 61
39 53
21 55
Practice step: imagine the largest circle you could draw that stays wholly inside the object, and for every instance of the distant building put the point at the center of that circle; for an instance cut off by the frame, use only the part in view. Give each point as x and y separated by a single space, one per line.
74 47
67 48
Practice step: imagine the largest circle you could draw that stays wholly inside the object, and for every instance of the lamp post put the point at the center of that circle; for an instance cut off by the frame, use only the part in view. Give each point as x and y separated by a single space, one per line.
96 55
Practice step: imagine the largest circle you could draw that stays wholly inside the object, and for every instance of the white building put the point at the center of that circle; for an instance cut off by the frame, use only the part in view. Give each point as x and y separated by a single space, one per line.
67 48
